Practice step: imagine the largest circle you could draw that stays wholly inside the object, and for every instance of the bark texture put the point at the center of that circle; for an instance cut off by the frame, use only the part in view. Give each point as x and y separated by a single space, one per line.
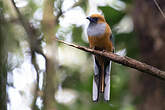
150 28
49 26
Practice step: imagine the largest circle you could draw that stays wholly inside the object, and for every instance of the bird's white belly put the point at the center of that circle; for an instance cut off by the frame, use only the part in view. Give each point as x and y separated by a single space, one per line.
96 30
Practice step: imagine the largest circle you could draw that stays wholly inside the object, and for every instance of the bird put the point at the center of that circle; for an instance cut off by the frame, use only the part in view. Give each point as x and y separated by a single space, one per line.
100 38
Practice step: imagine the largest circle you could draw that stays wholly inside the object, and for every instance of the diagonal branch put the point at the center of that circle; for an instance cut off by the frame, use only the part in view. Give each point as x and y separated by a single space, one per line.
126 61
161 11
35 47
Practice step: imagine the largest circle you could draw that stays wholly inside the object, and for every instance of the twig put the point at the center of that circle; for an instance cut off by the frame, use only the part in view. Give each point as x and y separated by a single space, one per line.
34 46
157 5
36 67
126 61
20 17
73 6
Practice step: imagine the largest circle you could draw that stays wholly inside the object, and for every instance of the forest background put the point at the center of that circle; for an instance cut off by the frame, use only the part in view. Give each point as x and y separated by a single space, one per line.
38 73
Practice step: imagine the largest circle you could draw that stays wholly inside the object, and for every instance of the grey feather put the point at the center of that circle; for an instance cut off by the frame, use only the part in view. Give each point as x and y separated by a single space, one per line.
107 82
95 92
96 29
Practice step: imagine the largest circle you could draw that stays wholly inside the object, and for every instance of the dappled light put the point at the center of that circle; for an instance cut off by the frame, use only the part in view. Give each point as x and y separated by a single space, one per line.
39 73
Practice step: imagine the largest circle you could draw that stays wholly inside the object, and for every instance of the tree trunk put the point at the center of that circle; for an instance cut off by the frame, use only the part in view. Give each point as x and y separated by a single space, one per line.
49 27
3 64
150 28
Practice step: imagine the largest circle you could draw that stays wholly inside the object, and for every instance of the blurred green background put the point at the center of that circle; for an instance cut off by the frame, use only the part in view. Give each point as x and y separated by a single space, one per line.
25 38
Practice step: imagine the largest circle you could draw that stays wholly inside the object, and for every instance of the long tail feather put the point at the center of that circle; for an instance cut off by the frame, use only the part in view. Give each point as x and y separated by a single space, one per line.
102 81
95 91
96 79
107 82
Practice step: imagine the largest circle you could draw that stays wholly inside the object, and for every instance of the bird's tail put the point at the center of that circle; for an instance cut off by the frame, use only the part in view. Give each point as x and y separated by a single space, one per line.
101 79
107 81
96 80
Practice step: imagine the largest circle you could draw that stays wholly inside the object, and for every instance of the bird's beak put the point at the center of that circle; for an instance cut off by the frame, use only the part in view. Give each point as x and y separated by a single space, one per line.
89 18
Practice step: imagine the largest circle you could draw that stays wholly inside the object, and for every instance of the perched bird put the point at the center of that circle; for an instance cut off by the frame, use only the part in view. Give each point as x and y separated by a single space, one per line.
100 38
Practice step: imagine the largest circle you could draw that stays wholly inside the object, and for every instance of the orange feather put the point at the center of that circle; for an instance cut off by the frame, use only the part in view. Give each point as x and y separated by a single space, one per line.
99 39
103 42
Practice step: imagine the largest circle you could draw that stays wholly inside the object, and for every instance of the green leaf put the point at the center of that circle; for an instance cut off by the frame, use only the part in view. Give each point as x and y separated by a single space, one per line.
128 41
111 15
127 1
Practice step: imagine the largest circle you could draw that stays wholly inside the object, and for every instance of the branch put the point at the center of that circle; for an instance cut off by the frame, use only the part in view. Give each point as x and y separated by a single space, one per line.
61 13
126 61
34 46
20 17
157 5
36 67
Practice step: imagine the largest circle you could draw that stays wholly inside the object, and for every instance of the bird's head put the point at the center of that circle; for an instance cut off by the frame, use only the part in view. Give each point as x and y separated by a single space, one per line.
96 18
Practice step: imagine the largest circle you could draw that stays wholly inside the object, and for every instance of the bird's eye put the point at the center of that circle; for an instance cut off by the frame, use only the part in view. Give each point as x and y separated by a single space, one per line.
95 19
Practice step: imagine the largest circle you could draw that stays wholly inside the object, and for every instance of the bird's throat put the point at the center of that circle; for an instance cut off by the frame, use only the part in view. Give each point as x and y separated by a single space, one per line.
96 30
